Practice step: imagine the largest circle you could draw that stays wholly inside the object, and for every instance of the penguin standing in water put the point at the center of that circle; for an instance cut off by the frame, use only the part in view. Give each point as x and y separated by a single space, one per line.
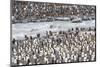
72 29
77 31
31 38
47 34
26 38
13 41
60 32
50 33
89 29
38 35
81 29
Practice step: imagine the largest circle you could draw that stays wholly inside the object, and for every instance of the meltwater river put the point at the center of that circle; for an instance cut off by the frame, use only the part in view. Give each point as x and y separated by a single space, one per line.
21 29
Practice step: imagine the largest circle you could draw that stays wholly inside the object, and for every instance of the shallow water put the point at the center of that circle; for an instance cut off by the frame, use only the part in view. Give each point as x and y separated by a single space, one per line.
21 29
